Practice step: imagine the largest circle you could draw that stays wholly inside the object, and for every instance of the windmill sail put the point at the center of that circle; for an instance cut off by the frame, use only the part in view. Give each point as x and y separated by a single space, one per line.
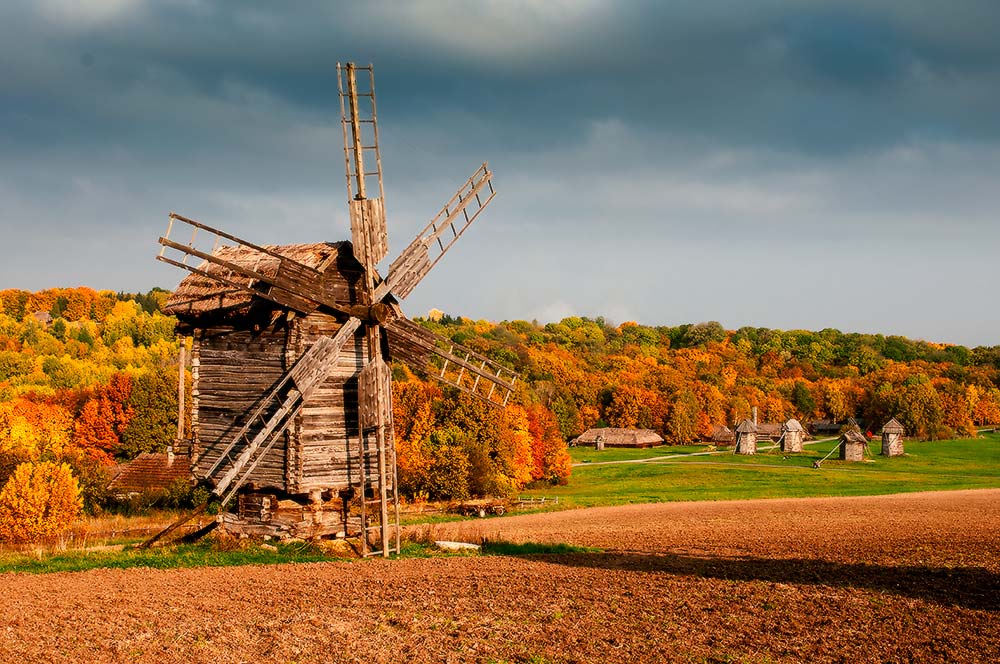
450 363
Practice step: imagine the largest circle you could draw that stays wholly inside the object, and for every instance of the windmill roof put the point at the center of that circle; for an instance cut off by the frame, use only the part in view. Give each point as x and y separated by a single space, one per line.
150 472
893 426
854 436
746 426
199 294
792 425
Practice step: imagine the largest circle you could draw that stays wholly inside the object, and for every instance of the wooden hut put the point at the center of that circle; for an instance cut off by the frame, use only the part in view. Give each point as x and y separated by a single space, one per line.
722 435
769 430
792 436
746 437
610 437
892 438
149 473
242 348
853 445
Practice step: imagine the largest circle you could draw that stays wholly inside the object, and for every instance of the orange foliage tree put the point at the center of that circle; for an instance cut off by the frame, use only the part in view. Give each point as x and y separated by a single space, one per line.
39 500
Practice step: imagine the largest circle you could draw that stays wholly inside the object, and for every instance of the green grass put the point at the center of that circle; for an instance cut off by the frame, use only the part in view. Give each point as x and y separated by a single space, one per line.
202 554
928 466
590 455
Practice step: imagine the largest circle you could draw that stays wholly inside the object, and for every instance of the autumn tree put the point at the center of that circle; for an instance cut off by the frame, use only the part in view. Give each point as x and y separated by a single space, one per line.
39 500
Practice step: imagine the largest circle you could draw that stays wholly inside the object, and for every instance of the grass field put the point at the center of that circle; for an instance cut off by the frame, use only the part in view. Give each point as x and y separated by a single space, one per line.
927 466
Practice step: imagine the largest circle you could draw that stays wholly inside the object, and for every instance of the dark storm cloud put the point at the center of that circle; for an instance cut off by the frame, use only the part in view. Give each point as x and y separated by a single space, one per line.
670 130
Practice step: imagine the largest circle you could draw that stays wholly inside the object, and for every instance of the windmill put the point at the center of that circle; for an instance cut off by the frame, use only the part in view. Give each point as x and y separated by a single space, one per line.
292 402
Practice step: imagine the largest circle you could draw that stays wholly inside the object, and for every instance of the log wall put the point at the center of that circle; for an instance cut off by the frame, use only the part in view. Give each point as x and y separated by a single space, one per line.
236 368
324 454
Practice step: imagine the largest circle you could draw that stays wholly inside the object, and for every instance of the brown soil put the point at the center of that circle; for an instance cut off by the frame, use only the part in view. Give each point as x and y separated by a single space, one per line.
911 578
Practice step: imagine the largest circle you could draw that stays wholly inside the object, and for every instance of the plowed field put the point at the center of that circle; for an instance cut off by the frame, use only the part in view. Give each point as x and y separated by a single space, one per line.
910 578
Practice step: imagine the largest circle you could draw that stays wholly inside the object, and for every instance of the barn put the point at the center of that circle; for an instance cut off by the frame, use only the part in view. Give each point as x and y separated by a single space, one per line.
611 437
722 435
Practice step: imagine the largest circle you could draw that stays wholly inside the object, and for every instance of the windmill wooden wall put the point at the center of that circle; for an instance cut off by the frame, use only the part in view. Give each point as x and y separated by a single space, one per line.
792 436
892 438
242 348
746 437
853 445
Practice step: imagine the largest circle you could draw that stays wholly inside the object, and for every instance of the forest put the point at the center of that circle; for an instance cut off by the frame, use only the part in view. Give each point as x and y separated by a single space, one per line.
88 379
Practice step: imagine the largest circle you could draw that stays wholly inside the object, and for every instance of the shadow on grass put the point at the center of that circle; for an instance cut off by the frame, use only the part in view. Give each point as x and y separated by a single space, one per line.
967 587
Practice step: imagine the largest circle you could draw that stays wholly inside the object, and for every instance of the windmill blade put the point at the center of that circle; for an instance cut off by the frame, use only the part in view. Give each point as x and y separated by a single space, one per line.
360 129
274 277
439 235
450 363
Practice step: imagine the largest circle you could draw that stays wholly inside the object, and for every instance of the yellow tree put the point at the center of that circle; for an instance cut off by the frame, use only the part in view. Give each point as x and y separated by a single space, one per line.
38 501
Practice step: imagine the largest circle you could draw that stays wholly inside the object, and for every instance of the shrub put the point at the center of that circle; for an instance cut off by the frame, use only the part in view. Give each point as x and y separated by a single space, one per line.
38 501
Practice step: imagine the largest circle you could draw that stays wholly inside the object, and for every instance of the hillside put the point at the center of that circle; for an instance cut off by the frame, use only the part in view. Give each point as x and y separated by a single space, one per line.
90 377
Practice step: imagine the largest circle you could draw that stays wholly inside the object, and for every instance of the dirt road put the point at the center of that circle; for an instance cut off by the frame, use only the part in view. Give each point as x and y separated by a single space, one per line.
890 578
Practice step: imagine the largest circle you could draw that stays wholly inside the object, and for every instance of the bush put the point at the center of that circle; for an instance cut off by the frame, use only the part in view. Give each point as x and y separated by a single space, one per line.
38 501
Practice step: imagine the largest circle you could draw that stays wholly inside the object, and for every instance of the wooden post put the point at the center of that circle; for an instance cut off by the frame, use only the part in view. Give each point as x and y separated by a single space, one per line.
180 402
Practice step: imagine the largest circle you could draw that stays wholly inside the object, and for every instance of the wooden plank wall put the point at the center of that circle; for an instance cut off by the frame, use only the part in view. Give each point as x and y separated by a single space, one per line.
324 453
236 368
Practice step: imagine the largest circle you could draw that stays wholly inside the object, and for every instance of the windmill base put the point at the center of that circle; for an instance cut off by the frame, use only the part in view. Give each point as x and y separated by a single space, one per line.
262 514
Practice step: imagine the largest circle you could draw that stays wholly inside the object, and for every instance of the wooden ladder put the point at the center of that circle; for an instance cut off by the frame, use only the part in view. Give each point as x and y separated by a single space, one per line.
303 378
374 451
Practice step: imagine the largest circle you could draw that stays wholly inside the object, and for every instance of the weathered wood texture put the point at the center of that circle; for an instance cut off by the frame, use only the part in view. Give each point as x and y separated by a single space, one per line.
236 369
325 454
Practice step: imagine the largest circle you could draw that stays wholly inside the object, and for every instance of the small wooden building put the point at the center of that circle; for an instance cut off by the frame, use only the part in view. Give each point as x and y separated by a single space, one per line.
769 430
746 437
722 435
853 445
149 473
611 437
792 436
892 438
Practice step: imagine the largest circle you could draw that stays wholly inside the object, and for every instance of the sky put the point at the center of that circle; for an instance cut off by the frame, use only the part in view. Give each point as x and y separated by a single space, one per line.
787 164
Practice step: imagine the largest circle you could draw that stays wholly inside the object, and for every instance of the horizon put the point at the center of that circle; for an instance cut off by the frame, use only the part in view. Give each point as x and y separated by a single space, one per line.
779 166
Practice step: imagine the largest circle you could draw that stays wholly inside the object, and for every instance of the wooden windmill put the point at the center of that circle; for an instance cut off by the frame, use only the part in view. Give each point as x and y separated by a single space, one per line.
292 401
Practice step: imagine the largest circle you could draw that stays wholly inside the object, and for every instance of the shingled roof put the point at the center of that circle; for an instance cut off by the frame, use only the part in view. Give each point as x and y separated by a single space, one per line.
198 294
150 472
746 426
893 426
792 425
854 436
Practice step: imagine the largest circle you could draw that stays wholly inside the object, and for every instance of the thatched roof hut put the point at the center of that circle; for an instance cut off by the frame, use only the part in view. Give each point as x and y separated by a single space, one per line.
149 472
853 445
722 435
770 430
792 436
612 437
892 438
746 437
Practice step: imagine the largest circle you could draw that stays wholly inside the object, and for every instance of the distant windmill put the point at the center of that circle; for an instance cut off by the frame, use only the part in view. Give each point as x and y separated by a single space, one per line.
292 397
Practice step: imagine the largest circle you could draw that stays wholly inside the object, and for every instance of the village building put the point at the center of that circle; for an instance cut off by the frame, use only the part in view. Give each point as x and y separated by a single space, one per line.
722 435
149 473
892 438
611 437
853 445
746 437
792 436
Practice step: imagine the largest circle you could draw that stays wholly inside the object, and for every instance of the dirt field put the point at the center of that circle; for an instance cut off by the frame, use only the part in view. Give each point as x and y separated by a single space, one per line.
912 578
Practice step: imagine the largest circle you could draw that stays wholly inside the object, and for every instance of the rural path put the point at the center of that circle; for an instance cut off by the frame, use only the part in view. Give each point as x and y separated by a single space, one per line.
762 448
912 577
